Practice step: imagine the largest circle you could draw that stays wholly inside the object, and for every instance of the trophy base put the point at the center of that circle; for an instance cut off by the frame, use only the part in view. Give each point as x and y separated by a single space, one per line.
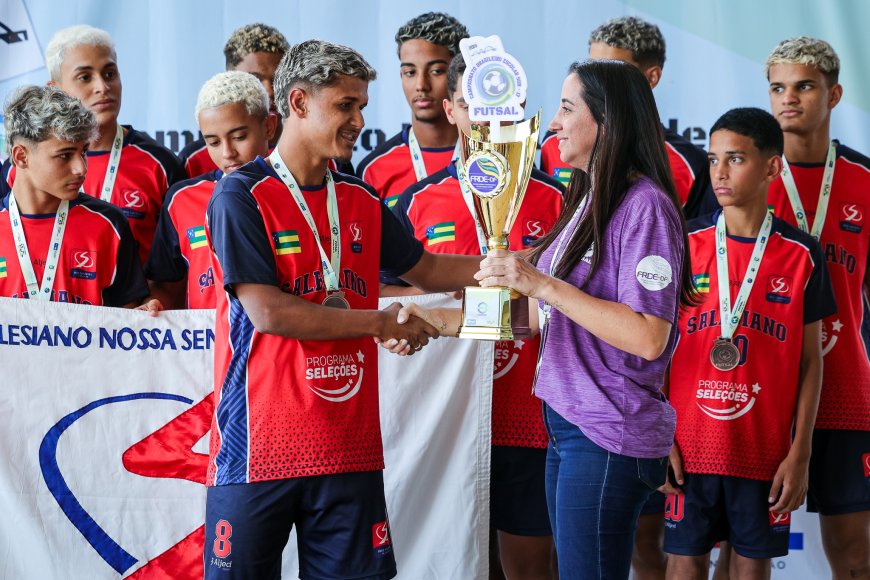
486 314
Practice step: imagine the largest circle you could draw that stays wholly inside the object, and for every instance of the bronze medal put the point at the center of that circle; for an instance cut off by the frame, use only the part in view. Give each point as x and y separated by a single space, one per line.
725 355
336 300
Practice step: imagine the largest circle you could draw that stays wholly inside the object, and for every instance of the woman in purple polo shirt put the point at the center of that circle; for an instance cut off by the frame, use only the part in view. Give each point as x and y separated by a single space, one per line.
609 281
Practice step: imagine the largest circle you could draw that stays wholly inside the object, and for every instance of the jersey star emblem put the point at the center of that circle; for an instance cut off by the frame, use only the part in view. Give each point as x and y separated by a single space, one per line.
359 356
756 388
837 325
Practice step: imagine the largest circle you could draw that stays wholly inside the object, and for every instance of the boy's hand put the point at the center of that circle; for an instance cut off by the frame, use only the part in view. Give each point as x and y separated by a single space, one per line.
675 464
789 484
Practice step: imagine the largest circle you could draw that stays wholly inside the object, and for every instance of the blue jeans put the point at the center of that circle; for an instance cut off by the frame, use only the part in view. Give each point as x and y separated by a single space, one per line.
594 498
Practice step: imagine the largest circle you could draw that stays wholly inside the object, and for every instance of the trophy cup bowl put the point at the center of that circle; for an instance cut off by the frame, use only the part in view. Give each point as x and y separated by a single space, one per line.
498 162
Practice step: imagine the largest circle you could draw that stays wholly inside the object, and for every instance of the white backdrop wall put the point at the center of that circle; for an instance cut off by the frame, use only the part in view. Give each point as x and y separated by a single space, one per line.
715 56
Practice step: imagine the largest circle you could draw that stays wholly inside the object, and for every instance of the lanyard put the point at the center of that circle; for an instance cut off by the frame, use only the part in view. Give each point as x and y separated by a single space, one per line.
34 290
731 317
114 163
416 156
467 196
824 193
330 265
544 313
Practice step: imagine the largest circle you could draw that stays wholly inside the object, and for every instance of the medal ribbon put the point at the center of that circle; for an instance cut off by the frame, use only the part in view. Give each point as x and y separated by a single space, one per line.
114 163
731 317
824 193
416 156
34 289
331 264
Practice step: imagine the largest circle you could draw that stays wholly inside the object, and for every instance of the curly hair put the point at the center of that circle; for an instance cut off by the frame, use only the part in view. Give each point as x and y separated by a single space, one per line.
231 87
317 63
642 38
435 27
257 37
38 113
807 51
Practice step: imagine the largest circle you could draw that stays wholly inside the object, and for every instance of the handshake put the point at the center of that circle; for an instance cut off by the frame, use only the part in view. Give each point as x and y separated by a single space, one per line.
407 329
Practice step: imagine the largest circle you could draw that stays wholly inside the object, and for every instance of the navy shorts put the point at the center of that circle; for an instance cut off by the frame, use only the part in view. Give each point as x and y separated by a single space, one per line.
713 508
839 472
517 494
341 527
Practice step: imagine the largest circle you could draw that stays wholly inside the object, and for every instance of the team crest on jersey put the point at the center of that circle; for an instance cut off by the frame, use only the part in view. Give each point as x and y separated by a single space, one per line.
442 232
354 229
851 217
779 522
830 335
702 282
779 289
286 242
338 376
134 203
83 264
206 280
725 400
196 237
533 230
507 353
381 542
2 266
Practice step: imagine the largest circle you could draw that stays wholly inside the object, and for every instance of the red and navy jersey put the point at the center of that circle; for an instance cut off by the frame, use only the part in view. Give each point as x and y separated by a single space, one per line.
739 422
196 160
97 265
180 249
389 168
845 400
434 212
284 407
690 170
146 171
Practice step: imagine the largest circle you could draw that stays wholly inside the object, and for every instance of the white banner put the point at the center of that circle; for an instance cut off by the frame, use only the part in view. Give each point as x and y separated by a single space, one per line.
103 416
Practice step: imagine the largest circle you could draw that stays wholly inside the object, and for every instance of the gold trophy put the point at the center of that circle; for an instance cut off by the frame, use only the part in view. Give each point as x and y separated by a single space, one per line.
497 163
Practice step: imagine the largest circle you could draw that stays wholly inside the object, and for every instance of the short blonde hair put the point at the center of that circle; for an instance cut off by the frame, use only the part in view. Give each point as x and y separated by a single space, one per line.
807 51
78 35
231 87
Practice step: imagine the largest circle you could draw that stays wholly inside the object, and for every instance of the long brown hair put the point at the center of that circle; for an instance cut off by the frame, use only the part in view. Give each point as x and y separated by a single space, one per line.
630 141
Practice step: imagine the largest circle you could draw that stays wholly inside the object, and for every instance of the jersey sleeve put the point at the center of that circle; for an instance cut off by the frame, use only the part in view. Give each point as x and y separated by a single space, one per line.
129 284
400 251
651 257
400 211
165 262
819 300
238 236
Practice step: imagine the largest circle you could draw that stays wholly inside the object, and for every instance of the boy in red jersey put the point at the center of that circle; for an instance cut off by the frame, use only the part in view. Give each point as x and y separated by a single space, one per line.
298 249
824 191
523 546
425 46
640 43
233 115
57 243
254 48
738 470
125 167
